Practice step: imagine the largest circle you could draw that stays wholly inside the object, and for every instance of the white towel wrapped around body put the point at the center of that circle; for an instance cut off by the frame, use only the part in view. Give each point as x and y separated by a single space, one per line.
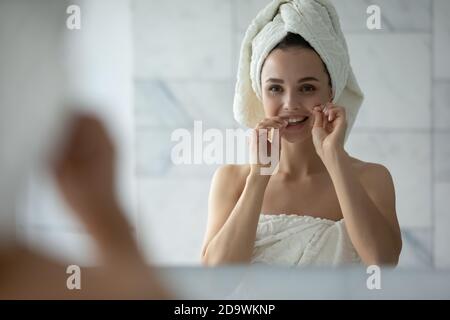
317 22
293 240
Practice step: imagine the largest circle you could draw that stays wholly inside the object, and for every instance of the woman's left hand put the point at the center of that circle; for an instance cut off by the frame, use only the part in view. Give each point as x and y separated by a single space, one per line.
329 128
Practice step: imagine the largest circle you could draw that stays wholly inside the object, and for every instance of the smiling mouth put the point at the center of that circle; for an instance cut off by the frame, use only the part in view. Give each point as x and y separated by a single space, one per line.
296 121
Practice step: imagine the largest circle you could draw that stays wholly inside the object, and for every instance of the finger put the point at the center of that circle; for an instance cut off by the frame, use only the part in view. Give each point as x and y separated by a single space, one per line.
269 123
265 134
327 110
327 107
280 120
276 142
318 118
331 114
336 112
325 113
270 128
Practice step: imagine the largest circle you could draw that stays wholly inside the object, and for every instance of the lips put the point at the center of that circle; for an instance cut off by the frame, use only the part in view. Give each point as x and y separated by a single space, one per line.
295 121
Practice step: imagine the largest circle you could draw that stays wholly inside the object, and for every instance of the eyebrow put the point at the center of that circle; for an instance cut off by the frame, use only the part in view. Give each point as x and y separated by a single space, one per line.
300 80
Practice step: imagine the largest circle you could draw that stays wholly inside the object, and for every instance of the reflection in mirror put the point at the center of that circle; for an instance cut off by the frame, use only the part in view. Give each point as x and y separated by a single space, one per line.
320 206
194 142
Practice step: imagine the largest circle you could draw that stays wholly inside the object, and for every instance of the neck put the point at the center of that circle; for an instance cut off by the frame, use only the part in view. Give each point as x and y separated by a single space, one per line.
300 159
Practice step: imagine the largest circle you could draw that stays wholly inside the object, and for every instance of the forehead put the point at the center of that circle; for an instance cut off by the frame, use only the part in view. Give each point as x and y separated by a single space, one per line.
293 61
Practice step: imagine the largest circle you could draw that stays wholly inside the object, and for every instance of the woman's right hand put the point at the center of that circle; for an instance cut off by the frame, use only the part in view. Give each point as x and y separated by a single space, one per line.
264 132
84 170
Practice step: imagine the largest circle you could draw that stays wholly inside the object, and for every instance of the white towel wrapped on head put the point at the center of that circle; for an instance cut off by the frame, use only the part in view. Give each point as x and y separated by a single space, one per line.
317 22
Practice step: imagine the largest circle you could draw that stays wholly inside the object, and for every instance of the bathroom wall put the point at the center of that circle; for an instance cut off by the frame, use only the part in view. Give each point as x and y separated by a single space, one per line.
185 59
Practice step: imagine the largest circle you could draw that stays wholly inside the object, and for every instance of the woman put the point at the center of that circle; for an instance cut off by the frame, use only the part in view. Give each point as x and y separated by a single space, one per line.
321 206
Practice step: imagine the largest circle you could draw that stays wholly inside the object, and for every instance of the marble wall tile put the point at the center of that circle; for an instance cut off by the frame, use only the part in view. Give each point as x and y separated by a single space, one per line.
394 73
246 11
172 219
441 157
408 158
441 39
176 39
157 106
208 101
442 225
441 107
417 251
153 149
396 16
193 171
162 107
177 104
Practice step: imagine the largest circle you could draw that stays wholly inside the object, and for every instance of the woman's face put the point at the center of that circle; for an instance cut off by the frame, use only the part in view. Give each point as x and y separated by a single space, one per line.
293 82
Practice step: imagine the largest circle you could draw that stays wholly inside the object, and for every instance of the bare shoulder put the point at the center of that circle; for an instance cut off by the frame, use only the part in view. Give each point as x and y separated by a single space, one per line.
371 171
378 182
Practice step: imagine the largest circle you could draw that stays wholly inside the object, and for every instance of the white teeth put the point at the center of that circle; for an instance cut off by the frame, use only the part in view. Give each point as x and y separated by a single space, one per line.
292 120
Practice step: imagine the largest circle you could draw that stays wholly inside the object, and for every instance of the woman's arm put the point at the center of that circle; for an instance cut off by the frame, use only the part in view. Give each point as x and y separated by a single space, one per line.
233 216
367 200
234 212
368 206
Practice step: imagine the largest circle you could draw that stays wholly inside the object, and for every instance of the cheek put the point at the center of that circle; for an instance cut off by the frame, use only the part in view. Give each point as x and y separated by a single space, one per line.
319 97
326 93
271 106
311 99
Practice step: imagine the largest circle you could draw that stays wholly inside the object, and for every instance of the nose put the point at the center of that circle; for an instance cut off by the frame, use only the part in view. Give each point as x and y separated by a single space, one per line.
291 103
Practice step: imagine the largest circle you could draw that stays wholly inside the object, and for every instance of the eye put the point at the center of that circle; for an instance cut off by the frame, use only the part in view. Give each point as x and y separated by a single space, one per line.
307 88
274 89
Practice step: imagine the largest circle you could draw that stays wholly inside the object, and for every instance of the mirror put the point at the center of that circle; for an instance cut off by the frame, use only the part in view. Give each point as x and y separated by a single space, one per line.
163 77
186 79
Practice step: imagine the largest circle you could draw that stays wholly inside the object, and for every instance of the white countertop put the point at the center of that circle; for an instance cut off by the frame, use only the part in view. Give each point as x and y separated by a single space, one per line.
269 282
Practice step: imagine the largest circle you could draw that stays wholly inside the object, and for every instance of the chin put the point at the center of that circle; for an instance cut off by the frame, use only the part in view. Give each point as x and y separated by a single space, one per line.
296 138
298 134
